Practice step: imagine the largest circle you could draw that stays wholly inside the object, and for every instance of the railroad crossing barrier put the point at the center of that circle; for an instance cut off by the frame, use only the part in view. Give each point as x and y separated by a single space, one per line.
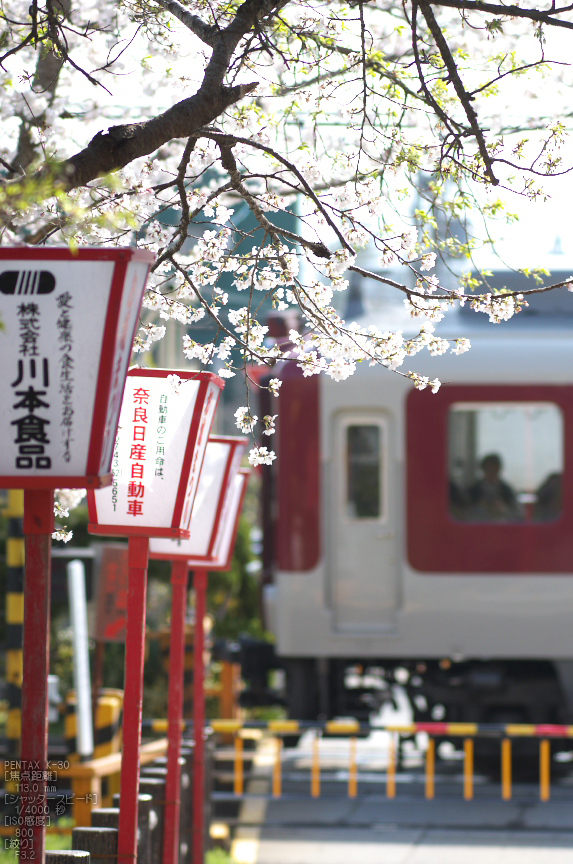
86 777
467 732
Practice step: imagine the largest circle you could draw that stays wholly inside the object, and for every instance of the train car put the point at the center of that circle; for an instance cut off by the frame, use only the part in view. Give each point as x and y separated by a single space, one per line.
428 538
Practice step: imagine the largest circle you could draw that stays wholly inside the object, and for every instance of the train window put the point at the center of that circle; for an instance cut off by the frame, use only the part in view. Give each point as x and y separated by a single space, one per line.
528 430
363 471
505 462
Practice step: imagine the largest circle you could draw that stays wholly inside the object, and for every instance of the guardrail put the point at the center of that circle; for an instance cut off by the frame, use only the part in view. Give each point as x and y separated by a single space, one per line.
87 778
468 732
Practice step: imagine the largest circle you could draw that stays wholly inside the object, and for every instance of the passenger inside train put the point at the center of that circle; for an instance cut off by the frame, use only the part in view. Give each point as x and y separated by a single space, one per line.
505 462
549 499
491 499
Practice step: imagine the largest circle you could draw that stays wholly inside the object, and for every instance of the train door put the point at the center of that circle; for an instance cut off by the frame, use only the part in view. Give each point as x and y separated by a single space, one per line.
364 511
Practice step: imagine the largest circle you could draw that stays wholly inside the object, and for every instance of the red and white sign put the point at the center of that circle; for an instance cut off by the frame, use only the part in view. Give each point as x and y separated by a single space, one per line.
68 322
162 436
221 541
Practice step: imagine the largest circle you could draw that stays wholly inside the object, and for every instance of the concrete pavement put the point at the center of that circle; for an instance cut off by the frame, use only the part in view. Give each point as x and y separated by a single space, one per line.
387 845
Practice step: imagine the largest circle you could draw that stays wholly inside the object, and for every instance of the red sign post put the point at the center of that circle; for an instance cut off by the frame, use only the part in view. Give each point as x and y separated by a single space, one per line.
213 532
68 325
157 460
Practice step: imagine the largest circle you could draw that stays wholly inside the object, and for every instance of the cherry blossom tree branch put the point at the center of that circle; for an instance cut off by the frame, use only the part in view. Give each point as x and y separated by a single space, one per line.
512 11
230 165
453 295
114 149
46 77
370 62
463 95
207 33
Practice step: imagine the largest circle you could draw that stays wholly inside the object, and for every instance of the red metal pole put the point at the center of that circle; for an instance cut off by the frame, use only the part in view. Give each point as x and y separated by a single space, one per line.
200 585
38 528
179 576
138 556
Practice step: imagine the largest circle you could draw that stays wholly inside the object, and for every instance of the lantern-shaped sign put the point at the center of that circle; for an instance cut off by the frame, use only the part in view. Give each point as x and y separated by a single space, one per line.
211 510
163 432
68 322
227 533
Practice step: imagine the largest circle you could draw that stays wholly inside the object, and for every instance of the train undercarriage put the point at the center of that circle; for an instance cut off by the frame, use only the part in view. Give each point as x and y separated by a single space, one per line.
468 691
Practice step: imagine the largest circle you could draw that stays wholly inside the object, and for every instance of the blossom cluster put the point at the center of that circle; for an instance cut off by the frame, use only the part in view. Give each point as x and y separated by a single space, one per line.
64 501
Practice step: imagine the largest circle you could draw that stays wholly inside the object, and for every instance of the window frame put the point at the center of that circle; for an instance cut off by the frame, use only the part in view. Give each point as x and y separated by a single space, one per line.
437 542
345 422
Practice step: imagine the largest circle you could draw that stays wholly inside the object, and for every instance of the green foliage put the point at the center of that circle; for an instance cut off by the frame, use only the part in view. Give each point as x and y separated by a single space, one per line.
233 597
535 273
218 856
155 682
62 654
494 26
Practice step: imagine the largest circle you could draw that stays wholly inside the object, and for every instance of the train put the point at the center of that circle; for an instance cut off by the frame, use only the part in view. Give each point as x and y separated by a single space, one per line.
427 538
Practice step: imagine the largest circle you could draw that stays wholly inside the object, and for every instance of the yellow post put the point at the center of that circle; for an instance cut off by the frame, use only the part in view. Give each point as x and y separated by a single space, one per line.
315 771
506 769
70 728
468 769
277 769
239 783
352 772
391 774
431 768
544 769
108 737
15 622
87 794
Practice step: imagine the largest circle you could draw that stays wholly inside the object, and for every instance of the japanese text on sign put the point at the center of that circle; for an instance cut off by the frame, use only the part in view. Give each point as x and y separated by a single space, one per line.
31 393
138 452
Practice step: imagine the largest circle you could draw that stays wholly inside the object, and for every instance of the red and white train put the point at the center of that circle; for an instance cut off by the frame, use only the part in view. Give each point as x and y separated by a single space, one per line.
392 542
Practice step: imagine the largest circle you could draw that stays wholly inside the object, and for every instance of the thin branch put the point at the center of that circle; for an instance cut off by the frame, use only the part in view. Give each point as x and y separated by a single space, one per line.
453 295
236 139
229 164
461 91
181 233
384 279
375 65
509 11
56 34
532 170
429 98
516 71
29 38
237 339
11 168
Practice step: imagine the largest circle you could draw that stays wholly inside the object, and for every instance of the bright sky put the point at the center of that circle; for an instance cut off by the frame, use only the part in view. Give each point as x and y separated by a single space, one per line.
532 241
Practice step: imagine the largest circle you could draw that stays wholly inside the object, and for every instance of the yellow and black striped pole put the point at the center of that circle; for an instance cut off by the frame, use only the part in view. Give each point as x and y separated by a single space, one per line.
14 616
